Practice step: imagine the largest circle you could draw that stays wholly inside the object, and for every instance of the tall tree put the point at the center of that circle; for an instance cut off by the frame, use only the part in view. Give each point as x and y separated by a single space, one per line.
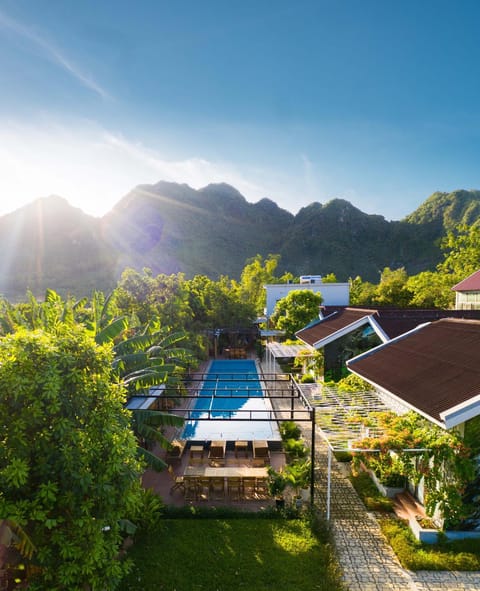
362 293
217 304
69 473
296 310
431 290
146 297
256 273
392 289
462 253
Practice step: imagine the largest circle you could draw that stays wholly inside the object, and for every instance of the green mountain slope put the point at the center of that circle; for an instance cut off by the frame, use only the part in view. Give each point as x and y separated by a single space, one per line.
211 231
172 228
51 244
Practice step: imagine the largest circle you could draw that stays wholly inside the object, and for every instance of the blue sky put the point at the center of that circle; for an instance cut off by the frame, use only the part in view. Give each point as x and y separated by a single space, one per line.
372 101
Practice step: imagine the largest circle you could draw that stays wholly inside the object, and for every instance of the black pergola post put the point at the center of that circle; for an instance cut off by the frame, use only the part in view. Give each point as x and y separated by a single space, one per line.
312 459
292 399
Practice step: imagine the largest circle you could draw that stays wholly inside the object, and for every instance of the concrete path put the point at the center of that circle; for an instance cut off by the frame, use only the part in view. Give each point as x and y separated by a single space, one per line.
367 560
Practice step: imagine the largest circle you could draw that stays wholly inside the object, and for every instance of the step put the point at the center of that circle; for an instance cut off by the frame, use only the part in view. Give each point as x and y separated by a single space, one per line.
407 507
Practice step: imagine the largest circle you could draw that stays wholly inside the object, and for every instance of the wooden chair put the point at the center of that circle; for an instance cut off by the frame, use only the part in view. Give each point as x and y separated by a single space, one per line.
203 489
258 463
175 452
216 454
261 487
234 488
178 481
191 488
217 487
249 485
261 451
193 461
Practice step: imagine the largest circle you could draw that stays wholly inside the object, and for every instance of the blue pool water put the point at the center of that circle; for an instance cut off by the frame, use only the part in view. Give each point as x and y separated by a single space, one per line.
231 390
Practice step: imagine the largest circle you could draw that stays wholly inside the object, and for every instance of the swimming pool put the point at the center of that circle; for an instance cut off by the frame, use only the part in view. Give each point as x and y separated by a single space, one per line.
231 390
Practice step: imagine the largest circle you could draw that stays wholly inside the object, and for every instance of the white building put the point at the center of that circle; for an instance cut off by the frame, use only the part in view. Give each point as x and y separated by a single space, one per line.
333 294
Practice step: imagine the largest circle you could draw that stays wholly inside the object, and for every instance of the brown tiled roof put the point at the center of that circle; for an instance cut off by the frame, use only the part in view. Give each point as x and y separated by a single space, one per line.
433 368
335 319
393 321
471 283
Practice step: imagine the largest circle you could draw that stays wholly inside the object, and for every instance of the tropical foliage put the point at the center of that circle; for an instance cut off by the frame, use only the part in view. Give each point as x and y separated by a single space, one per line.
296 310
68 467
412 447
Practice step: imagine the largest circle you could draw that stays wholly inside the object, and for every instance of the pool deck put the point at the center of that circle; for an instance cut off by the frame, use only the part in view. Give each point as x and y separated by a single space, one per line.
161 482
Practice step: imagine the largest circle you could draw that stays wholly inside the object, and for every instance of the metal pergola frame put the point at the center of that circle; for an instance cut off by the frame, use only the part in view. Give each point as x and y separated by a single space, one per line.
276 350
339 433
274 387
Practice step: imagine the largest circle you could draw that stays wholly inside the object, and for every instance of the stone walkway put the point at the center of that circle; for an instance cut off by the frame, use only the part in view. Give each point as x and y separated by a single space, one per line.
366 559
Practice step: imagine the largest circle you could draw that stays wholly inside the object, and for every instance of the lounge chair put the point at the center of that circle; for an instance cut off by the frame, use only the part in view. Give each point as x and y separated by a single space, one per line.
175 451
217 451
261 451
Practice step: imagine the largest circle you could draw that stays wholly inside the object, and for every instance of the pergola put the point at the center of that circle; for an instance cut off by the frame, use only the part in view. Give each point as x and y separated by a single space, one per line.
338 418
338 414
276 351
281 388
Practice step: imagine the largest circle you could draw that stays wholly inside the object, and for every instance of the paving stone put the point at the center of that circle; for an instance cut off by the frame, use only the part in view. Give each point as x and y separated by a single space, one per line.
367 561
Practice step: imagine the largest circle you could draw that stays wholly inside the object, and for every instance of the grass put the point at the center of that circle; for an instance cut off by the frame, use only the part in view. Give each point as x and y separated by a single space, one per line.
370 495
232 554
461 555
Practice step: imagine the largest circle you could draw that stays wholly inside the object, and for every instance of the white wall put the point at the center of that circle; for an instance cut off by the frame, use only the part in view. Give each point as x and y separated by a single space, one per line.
334 294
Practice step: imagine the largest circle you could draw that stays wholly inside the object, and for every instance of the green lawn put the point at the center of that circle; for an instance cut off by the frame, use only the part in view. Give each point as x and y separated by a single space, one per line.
230 555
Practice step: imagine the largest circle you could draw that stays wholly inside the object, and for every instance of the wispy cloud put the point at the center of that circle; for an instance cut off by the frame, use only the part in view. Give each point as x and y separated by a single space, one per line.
195 171
51 52
93 167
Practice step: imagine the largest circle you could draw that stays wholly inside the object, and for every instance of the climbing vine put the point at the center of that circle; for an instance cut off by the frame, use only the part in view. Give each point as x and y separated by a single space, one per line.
411 447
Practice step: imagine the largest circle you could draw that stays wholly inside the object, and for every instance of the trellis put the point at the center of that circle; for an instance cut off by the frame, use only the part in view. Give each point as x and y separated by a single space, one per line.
339 419
276 351
339 416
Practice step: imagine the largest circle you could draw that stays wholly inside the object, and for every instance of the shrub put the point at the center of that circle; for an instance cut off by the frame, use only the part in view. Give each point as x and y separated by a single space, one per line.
295 448
343 456
290 430
368 492
307 379
413 555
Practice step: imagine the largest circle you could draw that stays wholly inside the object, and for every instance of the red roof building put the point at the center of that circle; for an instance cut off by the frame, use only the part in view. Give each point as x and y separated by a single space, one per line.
467 293
433 369
344 332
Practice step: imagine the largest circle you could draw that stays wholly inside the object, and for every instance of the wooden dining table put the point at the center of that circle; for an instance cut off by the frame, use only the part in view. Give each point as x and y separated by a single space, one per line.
225 472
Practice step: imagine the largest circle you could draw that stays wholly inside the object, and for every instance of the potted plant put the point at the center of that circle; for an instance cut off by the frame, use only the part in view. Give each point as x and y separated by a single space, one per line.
298 476
277 483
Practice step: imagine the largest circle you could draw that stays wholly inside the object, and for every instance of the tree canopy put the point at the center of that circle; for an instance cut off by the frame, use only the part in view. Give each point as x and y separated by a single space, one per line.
296 310
69 472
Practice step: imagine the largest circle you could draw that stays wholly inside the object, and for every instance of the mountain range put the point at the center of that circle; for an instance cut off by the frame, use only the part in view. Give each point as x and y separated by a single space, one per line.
172 228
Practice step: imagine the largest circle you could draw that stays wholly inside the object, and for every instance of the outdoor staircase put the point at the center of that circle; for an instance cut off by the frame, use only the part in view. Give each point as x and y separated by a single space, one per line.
407 507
